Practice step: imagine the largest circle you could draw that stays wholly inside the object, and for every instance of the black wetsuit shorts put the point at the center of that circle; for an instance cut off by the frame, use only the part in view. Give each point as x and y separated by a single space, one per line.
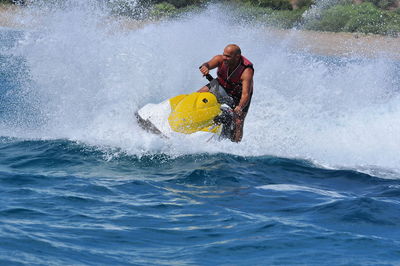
237 100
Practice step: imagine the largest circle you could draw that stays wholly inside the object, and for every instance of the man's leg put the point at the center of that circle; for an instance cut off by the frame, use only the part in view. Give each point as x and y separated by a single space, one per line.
238 131
206 88
239 123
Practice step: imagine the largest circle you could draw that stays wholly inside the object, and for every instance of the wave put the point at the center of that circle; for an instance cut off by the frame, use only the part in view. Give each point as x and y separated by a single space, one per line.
63 158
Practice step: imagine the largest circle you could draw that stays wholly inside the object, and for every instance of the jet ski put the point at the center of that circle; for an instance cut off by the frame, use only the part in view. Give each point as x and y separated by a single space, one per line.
193 113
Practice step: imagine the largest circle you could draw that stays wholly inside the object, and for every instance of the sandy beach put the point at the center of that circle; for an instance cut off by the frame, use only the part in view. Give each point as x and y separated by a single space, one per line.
342 44
322 43
7 16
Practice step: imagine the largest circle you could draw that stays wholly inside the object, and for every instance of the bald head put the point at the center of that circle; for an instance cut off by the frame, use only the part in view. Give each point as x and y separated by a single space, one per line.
233 48
232 55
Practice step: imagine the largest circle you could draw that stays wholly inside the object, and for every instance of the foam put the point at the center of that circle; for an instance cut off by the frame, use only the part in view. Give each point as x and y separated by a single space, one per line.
89 73
288 187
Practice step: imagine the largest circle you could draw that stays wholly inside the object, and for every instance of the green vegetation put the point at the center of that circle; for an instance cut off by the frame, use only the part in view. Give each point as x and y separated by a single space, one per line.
383 4
371 16
162 10
276 4
176 3
273 4
278 18
167 9
152 9
365 16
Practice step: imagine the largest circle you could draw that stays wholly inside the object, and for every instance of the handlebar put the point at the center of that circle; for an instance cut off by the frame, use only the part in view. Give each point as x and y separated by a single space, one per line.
208 76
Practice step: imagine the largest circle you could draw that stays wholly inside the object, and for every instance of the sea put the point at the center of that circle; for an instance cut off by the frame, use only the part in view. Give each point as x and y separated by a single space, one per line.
315 181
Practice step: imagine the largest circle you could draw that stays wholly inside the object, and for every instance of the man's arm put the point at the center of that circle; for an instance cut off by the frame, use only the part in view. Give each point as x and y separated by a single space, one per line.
213 63
247 82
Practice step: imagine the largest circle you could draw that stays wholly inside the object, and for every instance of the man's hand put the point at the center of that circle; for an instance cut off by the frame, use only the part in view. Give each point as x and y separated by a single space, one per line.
213 63
238 111
204 70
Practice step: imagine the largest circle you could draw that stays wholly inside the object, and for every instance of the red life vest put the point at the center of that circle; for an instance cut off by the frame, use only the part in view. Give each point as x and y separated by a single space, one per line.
232 83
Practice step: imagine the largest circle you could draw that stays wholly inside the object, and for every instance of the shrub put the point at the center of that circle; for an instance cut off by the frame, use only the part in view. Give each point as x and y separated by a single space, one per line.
128 8
162 10
364 18
178 3
391 24
332 19
274 4
246 11
384 4
285 18
367 19
304 3
252 11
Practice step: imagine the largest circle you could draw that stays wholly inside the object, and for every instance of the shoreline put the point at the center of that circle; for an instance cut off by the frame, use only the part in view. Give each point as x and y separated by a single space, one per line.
7 15
316 42
341 43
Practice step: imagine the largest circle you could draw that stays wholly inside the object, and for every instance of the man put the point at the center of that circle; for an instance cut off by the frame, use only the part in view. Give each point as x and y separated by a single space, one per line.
235 75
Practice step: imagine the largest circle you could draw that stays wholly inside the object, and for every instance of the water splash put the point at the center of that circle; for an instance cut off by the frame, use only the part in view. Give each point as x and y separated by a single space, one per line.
89 72
315 11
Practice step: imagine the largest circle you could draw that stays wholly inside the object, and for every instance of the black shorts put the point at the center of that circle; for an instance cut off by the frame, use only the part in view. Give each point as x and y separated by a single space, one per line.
237 101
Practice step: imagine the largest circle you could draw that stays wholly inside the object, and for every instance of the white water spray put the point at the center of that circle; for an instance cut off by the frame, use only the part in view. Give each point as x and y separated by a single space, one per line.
90 73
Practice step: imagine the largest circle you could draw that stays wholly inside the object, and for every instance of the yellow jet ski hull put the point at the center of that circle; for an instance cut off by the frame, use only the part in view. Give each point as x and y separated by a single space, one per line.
186 113
193 112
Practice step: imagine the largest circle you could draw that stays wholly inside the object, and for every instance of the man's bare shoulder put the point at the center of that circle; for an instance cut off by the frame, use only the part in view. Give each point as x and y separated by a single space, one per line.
215 61
248 73
218 57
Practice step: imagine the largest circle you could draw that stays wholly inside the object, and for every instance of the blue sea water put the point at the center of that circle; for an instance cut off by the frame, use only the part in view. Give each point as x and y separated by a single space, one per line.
316 180
63 203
